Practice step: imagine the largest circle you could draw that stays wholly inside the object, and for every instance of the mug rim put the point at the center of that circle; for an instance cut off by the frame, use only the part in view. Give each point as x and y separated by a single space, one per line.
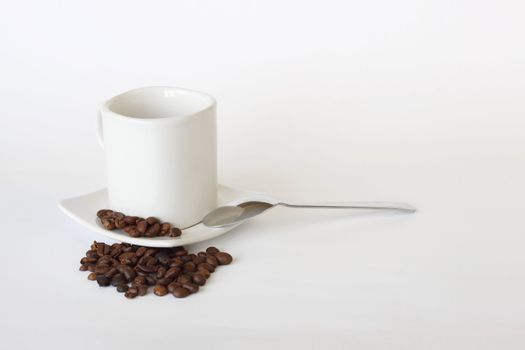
105 107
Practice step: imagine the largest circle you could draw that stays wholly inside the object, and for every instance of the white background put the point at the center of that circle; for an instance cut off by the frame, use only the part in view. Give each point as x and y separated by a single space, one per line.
416 101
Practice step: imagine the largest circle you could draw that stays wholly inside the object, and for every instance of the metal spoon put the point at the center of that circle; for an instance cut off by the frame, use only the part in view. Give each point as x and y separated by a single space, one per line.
232 215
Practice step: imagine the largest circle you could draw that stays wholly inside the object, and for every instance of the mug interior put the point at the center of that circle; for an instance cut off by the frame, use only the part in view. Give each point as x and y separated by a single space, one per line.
159 102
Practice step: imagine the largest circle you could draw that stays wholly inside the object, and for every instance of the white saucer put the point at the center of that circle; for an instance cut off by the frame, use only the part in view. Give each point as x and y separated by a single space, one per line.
83 210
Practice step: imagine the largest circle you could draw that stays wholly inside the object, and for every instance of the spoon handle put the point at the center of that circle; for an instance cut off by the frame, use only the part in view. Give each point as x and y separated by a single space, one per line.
354 205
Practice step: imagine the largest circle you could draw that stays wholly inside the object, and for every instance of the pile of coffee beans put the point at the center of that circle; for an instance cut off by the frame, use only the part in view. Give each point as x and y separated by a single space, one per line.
133 269
136 226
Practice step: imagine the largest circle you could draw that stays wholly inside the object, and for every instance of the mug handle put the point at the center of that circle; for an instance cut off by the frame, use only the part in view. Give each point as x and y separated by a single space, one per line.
100 134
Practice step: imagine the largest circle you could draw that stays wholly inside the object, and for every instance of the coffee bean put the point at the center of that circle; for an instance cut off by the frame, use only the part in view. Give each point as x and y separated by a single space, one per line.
142 290
180 292
139 281
212 250
212 260
192 288
207 266
161 271
181 253
175 232
140 251
86 260
103 281
108 224
128 258
189 266
129 273
152 220
147 268
223 258
101 269
122 288
199 279
132 269
165 229
198 260
120 223
150 252
118 279
160 290
112 272
130 220
131 293
173 285
132 231
142 226
172 272
92 254
117 215
151 280
184 279
153 230
104 212
204 272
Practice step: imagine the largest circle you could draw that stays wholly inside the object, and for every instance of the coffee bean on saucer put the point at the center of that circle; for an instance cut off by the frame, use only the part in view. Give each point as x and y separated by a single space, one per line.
142 226
180 292
104 213
108 224
223 258
175 232
153 230
212 250
160 290
92 276
152 220
83 268
130 220
120 223
165 229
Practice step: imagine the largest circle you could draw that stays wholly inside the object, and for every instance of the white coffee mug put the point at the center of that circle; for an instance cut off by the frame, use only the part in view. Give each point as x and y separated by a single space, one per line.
161 153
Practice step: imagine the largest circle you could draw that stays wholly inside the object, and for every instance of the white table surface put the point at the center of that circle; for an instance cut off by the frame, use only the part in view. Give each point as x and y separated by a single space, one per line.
419 102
